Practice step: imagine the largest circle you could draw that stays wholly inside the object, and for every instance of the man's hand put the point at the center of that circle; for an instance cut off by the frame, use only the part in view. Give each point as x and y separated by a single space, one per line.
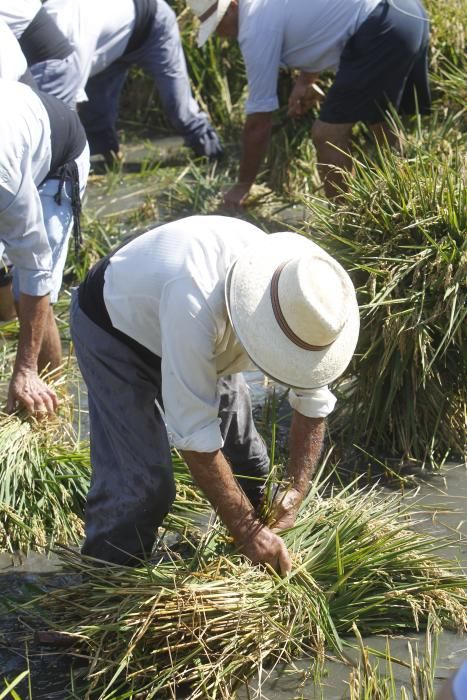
284 509
305 94
236 196
214 476
28 390
265 547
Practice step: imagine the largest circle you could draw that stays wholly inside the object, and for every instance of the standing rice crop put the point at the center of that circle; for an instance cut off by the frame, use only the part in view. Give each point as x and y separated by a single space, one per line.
401 231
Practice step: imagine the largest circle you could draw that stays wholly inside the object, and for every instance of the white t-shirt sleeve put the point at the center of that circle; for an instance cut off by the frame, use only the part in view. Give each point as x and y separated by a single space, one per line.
316 403
189 378
261 49
22 228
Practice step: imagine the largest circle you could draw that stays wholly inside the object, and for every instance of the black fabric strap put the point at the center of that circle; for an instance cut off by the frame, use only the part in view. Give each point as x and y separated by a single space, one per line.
66 132
43 40
91 302
145 11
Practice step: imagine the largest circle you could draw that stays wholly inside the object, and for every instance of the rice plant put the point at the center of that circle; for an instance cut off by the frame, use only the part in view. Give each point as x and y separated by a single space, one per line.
401 231
369 682
208 623
45 472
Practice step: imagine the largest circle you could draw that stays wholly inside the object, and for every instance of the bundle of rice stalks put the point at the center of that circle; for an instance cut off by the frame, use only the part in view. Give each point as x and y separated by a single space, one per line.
44 480
208 624
400 230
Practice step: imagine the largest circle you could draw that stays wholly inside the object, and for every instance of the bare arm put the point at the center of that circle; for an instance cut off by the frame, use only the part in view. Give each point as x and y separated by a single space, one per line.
305 445
25 386
256 135
214 476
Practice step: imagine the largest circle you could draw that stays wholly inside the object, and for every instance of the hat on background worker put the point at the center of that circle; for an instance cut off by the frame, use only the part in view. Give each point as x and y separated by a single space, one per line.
209 14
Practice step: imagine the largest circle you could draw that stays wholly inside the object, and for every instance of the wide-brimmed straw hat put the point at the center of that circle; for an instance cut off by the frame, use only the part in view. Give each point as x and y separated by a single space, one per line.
209 14
294 310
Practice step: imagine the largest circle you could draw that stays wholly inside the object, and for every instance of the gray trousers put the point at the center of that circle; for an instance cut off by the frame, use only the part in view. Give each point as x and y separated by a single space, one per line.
132 484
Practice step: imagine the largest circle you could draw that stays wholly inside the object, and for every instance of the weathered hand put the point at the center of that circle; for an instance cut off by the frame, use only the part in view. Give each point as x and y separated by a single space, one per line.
236 196
303 97
284 509
28 390
265 547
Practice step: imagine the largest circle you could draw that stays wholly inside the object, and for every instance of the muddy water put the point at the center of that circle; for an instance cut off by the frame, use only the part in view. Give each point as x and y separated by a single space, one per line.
444 498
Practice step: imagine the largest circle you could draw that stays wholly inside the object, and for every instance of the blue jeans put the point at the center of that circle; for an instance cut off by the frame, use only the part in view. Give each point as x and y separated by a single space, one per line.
161 55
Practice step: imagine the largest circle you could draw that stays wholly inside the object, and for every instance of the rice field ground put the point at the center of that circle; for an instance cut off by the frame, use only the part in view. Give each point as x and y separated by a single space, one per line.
207 625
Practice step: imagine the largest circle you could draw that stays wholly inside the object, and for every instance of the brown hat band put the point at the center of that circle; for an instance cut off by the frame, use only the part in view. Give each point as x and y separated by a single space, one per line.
210 11
280 318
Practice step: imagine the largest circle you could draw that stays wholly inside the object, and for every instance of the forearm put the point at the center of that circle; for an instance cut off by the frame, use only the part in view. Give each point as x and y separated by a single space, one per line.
213 475
32 314
256 136
305 446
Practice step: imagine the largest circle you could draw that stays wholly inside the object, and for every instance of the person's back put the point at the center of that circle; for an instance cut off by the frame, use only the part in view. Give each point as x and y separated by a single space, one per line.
49 54
25 142
99 32
111 36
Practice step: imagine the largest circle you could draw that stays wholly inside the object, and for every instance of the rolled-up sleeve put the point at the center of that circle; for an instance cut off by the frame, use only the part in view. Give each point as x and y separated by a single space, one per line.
316 403
22 229
189 378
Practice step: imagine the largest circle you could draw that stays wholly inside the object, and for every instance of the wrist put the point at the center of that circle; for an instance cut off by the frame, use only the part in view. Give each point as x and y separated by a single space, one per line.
307 78
245 528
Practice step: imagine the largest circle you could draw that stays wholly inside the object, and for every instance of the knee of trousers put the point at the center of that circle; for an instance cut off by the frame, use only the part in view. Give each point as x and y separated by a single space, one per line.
127 528
156 498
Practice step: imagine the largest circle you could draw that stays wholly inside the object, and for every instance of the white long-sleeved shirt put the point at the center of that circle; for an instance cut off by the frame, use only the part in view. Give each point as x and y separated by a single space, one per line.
305 34
25 156
165 289
18 14
13 64
98 31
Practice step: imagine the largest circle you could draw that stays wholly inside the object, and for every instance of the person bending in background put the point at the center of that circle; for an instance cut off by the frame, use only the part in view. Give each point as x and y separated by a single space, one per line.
44 164
379 48
13 66
109 38
174 316
50 56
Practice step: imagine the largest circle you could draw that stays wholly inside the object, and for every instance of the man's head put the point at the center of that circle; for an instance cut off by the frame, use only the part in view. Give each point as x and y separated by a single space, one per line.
294 310
220 16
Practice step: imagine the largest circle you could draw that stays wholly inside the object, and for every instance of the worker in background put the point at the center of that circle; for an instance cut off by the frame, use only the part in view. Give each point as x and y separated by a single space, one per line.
109 38
50 56
44 164
378 48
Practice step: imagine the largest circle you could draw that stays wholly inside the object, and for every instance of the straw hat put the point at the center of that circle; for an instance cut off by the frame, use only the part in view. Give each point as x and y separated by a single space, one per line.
294 310
209 13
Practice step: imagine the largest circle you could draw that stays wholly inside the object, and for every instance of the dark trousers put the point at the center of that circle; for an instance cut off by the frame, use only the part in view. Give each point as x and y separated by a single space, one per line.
132 484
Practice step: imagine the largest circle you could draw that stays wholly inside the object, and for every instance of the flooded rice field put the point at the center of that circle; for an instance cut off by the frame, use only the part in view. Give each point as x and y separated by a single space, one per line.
440 499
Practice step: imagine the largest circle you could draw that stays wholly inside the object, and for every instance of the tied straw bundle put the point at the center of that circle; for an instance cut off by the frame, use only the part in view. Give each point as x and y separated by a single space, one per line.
201 627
